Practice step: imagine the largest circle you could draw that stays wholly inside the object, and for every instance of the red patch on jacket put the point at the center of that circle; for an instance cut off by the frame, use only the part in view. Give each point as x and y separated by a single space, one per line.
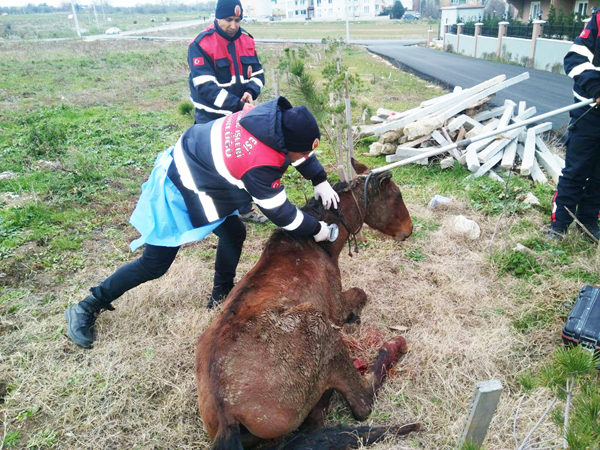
584 34
276 184
199 61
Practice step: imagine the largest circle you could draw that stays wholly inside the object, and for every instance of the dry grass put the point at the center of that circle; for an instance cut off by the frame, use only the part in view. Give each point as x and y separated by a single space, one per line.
136 388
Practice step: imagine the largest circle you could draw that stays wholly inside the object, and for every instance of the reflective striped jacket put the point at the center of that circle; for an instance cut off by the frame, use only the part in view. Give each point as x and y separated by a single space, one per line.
582 63
222 69
222 165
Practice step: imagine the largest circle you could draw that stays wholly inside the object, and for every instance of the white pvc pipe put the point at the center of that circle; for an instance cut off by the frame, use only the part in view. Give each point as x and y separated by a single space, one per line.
465 142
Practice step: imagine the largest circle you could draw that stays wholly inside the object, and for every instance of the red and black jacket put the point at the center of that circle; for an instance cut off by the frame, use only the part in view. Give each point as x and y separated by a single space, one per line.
225 164
222 69
582 63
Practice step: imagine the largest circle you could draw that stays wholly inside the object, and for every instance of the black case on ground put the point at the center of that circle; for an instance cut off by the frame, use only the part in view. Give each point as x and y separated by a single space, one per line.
583 324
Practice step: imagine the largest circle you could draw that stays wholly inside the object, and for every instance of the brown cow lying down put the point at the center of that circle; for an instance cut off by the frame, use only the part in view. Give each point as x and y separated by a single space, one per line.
270 361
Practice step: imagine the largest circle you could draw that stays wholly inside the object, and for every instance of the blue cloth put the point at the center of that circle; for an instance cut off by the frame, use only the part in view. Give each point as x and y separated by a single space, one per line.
160 215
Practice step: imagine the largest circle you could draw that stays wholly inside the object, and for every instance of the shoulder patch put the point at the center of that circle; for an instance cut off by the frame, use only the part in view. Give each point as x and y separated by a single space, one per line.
585 34
205 33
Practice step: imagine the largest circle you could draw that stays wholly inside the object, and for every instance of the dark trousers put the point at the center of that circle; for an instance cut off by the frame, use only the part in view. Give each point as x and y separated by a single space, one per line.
156 260
579 185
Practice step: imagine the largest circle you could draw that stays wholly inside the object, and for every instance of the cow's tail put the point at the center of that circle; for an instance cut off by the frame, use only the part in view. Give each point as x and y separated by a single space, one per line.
228 438
343 437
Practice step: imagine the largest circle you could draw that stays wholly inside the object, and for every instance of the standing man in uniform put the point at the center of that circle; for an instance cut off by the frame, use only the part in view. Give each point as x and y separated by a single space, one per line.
579 185
225 73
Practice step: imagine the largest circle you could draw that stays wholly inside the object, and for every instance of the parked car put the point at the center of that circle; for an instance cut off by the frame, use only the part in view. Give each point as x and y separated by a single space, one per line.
113 30
410 16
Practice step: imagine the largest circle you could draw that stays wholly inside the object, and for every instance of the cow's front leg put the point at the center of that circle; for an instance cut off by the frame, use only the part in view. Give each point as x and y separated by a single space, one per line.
360 391
354 301
316 417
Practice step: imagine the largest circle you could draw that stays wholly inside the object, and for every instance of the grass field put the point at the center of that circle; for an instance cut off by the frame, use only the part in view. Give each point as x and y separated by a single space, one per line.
386 29
81 124
58 25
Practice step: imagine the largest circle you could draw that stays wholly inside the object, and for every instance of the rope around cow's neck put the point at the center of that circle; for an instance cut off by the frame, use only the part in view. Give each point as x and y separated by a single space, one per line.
351 234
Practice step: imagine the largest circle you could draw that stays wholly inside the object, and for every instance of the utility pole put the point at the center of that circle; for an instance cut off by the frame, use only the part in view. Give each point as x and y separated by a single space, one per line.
103 15
347 24
75 19
95 15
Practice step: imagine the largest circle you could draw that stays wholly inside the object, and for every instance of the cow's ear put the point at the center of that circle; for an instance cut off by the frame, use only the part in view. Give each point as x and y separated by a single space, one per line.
359 168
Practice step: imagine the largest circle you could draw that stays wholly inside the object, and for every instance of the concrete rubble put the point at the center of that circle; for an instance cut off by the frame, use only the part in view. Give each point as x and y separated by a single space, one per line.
460 115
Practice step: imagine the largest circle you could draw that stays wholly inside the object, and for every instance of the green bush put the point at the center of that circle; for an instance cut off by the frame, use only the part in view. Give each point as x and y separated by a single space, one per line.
185 108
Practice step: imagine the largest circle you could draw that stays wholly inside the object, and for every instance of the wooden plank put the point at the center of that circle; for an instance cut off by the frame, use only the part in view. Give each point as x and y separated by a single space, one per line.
405 153
485 115
465 94
473 123
506 116
455 109
559 160
457 122
443 141
522 107
508 159
494 176
446 135
472 160
536 173
376 119
498 145
441 98
547 162
481 411
541 128
495 159
385 113
480 145
453 151
529 153
437 137
529 112
461 134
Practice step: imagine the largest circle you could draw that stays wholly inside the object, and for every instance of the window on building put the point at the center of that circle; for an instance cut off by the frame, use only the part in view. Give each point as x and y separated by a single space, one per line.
318 2
581 8
290 14
331 11
366 10
535 10
376 8
318 13
303 12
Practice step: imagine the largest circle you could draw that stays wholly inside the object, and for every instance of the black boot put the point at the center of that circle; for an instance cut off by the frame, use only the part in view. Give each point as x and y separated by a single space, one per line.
219 294
592 227
81 318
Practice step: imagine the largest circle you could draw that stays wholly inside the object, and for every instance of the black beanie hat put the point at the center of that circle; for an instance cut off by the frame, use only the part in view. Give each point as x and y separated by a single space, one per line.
228 8
300 130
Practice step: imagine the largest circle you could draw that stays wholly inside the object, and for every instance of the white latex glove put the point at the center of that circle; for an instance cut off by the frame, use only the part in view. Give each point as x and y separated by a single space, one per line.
323 233
328 196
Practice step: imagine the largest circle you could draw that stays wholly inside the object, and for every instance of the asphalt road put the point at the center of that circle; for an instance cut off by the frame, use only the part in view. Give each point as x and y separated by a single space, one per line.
544 90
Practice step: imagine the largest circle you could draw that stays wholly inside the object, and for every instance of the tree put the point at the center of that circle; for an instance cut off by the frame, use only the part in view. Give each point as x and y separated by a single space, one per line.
494 8
397 10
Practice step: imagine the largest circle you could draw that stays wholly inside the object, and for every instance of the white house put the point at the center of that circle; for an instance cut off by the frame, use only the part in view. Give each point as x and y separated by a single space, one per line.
316 9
